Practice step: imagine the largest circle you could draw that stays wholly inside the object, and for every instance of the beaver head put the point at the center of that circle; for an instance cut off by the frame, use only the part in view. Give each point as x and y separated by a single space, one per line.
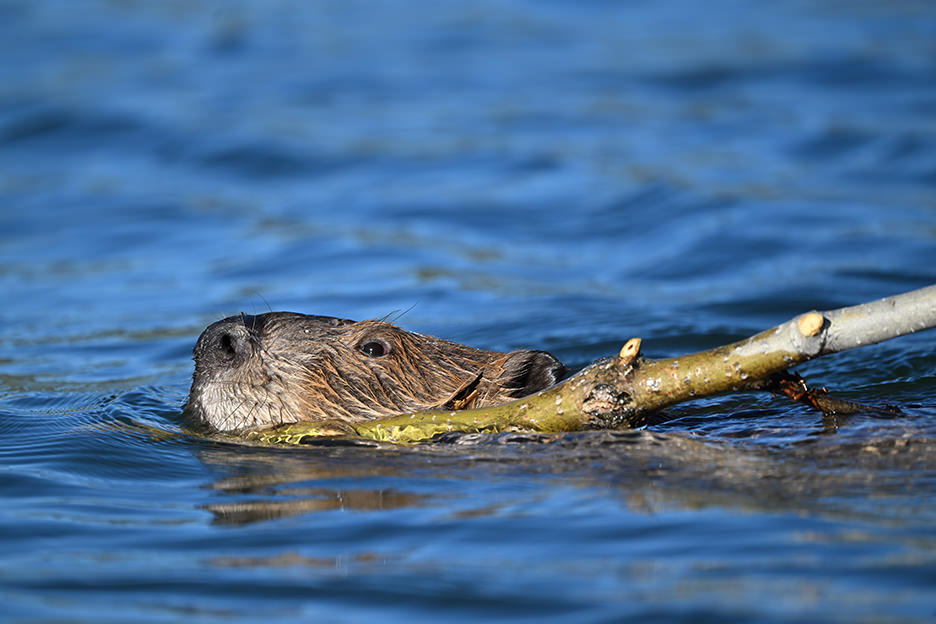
282 367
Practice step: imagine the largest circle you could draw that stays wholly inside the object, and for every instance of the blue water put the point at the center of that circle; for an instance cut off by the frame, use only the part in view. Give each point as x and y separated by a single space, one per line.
556 175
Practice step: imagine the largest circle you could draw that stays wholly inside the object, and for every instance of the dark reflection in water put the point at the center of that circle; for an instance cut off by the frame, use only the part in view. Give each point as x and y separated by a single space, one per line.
308 500
651 471
274 483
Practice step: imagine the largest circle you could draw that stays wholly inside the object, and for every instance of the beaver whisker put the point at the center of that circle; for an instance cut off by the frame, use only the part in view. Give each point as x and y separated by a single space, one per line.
279 417
396 315
229 416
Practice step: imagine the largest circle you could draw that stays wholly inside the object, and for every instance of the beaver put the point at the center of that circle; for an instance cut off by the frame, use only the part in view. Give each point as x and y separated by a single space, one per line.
259 371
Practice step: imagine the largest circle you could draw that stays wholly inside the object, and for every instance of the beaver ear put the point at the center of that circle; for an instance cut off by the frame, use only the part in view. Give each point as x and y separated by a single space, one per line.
526 372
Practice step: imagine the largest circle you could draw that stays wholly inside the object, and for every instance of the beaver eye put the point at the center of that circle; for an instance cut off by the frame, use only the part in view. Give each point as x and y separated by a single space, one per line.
373 349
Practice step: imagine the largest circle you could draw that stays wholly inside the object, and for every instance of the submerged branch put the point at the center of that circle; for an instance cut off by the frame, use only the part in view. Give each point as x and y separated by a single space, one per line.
622 391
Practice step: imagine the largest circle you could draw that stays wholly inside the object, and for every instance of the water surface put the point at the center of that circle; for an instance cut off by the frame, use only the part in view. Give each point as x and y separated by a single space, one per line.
551 175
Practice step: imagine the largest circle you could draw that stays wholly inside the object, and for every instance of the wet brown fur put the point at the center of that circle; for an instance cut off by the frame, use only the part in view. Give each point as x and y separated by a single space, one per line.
282 367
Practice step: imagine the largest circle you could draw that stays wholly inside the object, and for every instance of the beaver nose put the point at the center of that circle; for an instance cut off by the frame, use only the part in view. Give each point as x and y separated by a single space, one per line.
224 344
232 344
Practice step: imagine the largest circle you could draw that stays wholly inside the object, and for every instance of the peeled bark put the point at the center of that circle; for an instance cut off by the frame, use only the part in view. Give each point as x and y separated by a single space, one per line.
621 391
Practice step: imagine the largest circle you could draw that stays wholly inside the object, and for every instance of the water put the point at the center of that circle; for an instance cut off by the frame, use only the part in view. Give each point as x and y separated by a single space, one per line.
554 175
